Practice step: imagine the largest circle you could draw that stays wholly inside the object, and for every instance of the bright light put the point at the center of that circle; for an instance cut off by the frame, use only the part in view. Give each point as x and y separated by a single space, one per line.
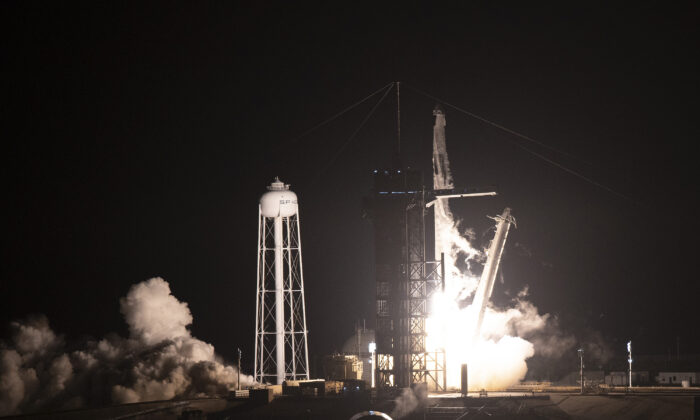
496 355
372 349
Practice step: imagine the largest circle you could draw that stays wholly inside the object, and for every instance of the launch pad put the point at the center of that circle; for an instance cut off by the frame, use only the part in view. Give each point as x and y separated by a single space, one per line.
497 405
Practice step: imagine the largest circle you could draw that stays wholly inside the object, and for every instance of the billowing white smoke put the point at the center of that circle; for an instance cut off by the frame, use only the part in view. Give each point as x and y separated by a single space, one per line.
456 247
160 360
497 357
408 401
153 314
509 336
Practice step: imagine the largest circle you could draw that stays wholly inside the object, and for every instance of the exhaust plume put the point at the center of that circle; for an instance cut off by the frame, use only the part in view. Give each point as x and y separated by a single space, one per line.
409 400
160 360
493 342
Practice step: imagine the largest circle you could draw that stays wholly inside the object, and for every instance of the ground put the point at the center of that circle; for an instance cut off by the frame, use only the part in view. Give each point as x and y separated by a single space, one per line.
505 405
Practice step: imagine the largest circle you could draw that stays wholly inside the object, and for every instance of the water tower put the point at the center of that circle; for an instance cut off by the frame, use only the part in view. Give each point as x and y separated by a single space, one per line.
281 350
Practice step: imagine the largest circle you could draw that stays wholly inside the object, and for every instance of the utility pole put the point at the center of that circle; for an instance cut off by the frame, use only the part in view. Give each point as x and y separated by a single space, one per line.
239 369
580 355
398 117
629 360
373 360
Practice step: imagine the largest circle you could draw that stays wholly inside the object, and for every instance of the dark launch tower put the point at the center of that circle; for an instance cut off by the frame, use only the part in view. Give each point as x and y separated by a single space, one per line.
405 281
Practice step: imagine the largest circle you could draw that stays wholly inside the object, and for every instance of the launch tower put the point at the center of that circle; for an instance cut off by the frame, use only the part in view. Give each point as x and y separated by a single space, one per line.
406 279
405 282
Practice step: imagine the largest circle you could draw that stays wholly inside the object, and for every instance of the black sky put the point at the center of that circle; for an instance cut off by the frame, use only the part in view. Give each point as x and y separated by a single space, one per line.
139 136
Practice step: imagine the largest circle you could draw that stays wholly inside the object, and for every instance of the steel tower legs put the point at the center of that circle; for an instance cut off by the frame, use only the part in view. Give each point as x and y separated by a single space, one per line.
279 301
281 350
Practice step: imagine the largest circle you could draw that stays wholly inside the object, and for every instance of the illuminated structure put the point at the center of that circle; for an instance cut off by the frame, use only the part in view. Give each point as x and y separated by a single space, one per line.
281 350
442 178
406 281
629 360
445 229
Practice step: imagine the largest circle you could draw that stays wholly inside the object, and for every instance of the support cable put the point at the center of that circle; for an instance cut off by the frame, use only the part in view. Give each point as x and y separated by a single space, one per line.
324 122
357 130
572 172
506 129
539 155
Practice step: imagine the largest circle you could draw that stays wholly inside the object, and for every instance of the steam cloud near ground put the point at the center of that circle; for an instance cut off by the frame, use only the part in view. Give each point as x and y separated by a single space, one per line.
160 360
408 400
509 336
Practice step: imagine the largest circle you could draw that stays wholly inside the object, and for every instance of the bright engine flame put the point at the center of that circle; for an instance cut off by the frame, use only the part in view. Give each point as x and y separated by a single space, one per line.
496 357
496 353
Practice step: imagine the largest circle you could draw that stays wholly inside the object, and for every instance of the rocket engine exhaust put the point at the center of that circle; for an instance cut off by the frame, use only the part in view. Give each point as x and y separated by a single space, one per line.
492 342
488 276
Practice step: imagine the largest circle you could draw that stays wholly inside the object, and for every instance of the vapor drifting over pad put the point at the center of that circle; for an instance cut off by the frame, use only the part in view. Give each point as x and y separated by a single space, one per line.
160 360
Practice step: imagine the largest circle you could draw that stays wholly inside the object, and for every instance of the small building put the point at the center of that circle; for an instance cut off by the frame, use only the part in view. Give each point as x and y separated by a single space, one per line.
341 367
621 378
677 378
590 377
358 345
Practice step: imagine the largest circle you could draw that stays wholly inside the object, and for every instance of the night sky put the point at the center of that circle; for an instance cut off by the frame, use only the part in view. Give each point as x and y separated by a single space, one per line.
139 136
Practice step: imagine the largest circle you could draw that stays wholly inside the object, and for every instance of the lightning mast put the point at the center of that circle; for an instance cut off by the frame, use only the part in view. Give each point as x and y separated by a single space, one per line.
281 350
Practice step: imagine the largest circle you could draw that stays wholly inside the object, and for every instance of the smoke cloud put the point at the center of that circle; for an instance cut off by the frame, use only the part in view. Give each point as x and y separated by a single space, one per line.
159 360
409 400
153 314
511 336
497 353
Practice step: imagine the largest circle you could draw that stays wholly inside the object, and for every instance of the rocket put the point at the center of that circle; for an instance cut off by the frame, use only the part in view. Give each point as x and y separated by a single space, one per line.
442 178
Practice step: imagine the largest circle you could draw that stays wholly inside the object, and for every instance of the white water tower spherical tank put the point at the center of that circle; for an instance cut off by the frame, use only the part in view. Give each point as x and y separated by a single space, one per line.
278 200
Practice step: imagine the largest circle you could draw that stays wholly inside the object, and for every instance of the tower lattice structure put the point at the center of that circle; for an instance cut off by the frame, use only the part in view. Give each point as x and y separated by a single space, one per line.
281 345
406 282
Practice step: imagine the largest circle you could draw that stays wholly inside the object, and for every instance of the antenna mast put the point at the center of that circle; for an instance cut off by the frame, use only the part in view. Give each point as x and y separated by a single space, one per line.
398 116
